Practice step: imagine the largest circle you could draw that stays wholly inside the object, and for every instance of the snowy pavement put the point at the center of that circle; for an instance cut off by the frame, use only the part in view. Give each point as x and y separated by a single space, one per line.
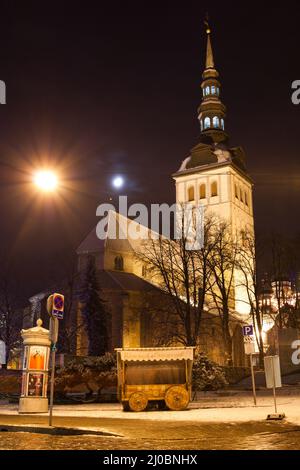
236 408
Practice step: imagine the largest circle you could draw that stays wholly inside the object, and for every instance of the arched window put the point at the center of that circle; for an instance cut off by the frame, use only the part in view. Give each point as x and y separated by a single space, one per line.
218 90
216 122
191 193
222 124
214 189
202 191
119 263
207 90
207 123
213 90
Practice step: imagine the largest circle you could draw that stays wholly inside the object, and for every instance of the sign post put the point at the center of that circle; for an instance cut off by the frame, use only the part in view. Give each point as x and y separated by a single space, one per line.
273 380
249 345
55 307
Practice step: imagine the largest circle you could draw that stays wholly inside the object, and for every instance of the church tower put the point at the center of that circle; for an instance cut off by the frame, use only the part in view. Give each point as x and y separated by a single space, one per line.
214 174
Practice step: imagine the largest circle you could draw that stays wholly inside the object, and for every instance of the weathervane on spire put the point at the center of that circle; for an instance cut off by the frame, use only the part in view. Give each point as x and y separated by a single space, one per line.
206 22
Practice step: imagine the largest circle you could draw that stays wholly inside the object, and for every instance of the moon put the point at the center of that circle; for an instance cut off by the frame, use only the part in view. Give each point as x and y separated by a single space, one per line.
118 182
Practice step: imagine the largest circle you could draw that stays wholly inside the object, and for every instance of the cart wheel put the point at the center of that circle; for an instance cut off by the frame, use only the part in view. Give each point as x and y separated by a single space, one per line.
125 405
177 398
138 401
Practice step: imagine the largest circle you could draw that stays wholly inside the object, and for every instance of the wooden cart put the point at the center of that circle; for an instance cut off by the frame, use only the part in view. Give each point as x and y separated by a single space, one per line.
162 375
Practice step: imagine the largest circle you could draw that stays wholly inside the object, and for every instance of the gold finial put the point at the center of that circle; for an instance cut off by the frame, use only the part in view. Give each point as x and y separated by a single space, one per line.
206 22
39 322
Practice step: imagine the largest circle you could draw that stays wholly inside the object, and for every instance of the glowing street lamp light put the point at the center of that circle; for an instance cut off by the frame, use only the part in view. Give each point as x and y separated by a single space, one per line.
46 180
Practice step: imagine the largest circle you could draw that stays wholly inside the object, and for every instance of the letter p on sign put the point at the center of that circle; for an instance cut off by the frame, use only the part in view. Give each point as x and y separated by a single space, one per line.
248 330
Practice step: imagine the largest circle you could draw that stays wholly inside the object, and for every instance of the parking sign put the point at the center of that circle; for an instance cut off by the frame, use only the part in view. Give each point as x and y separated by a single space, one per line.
248 330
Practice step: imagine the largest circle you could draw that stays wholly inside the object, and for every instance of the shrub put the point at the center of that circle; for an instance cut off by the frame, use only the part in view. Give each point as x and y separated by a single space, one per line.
95 373
207 375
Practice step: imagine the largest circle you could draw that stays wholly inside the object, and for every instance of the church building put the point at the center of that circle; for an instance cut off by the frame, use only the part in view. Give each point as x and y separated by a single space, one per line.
213 175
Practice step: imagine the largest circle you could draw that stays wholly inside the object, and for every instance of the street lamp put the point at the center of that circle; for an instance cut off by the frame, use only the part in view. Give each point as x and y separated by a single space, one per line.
45 180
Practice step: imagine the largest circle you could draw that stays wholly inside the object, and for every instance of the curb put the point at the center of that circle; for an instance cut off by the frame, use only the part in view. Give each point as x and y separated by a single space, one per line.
56 431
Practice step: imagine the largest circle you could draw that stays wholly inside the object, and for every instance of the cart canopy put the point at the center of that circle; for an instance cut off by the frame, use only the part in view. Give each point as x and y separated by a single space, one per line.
156 354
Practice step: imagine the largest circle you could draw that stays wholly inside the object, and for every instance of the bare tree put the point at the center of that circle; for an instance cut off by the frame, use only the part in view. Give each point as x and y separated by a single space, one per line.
250 250
11 315
223 263
184 275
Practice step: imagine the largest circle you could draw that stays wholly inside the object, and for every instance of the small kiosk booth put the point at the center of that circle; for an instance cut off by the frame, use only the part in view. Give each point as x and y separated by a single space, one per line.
35 370
162 375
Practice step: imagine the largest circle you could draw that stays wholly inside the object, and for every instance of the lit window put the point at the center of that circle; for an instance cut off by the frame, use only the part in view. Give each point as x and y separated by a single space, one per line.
218 91
214 189
119 263
191 193
213 90
216 122
202 191
207 90
222 124
207 123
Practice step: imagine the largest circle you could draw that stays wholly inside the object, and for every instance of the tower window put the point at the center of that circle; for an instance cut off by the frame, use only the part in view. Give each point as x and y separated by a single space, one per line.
201 124
216 122
214 189
246 199
241 195
236 191
218 90
202 191
213 90
191 193
222 124
207 123
119 263
207 90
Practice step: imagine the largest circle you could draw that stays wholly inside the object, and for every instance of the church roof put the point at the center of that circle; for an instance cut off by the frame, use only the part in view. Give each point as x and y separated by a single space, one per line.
206 155
91 244
123 281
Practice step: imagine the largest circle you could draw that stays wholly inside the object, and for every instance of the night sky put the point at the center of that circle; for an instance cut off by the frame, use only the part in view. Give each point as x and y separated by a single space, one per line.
96 89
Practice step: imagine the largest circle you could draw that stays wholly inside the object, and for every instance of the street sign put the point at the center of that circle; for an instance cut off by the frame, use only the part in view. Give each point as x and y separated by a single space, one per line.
55 305
272 372
273 380
249 345
248 330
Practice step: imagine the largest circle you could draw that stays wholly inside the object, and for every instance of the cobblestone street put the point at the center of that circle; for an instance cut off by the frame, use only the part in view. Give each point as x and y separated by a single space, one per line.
188 435
234 424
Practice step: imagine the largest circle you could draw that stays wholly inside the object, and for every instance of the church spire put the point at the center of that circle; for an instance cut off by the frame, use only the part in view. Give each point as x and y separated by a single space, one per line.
211 112
209 53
